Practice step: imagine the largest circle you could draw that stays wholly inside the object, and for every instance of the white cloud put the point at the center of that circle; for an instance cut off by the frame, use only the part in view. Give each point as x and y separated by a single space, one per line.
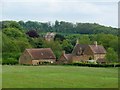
69 10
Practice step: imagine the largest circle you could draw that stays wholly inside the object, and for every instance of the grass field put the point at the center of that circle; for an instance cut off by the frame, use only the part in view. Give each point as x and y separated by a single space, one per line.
0 77
59 77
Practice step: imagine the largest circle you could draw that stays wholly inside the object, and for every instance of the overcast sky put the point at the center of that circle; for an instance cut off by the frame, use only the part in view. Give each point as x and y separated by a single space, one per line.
104 12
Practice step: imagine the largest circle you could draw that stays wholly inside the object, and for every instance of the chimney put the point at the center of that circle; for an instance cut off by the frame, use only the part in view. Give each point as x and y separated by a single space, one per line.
63 52
95 43
77 41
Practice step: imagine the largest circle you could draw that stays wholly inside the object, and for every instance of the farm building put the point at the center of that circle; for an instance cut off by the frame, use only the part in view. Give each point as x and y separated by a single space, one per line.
65 58
50 36
83 53
37 56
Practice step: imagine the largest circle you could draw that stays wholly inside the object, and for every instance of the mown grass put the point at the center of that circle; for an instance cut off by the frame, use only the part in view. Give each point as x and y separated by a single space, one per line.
59 77
0 77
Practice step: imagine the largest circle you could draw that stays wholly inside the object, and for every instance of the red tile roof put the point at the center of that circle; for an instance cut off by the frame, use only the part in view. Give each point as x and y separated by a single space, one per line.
79 47
68 56
41 53
97 49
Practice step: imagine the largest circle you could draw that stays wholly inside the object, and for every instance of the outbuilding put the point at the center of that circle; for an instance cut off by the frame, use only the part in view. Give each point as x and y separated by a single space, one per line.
37 56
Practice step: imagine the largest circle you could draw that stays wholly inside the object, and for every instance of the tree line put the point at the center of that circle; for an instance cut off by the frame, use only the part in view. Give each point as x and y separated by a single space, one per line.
68 27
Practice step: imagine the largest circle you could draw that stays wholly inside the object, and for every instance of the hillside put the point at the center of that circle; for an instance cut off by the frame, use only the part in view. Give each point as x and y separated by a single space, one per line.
68 27
17 36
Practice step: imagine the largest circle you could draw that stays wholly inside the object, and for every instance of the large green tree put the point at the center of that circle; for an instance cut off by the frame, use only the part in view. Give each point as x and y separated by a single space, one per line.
55 46
111 55
67 46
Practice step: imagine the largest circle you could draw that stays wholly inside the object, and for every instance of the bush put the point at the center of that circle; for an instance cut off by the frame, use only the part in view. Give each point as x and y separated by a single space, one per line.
95 65
117 65
9 61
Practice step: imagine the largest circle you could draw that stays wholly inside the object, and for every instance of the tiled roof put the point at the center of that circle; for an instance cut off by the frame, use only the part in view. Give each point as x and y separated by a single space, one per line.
78 47
97 49
41 53
68 56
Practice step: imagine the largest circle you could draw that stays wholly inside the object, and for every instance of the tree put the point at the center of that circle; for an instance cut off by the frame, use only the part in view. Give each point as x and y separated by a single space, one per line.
11 24
32 33
84 39
111 55
9 45
67 46
59 37
36 42
13 33
55 46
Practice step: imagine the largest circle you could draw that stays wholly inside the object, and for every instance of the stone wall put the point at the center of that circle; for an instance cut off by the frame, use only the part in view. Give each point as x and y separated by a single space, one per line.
96 56
25 58
81 58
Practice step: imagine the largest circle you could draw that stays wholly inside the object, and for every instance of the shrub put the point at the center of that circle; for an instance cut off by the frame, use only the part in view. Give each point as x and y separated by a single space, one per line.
95 65
9 61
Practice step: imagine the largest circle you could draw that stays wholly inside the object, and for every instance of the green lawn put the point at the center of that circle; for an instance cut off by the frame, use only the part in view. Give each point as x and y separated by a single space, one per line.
59 77
0 77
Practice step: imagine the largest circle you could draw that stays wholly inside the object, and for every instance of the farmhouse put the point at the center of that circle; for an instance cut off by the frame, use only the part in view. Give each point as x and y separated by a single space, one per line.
37 56
50 36
83 53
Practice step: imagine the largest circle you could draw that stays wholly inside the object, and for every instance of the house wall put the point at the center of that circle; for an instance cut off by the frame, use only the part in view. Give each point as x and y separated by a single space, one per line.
25 58
96 56
62 60
81 58
37 62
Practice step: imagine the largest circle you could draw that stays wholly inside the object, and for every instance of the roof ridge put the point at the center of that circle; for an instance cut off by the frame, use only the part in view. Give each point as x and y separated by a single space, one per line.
37 48
29 53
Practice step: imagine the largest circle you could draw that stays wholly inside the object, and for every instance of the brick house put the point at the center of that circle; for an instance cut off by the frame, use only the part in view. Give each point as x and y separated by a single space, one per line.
37 56
83 53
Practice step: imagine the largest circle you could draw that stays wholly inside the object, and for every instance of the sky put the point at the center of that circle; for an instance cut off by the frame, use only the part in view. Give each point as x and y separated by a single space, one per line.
104 12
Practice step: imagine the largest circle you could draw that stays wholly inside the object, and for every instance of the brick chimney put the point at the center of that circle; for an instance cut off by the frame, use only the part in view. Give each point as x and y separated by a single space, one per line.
63 52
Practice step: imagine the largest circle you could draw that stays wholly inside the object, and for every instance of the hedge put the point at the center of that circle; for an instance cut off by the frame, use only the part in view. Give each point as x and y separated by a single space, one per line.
94 65
9 61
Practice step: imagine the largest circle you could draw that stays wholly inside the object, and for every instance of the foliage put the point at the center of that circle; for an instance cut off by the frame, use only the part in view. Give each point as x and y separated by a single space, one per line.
10 58
67 27
14 41
8 45
32 33
11 24
59 37
9 61
55 46
95 65
13 33
67 46
111 55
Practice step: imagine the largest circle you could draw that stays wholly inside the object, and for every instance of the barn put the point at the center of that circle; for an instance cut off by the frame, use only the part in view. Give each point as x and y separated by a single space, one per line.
37 56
